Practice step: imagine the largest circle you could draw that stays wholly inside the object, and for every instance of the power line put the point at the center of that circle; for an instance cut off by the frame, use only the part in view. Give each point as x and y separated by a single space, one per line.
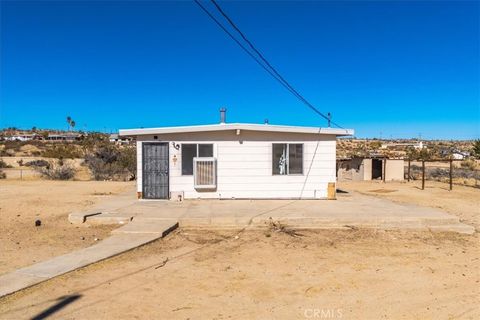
243 47
265 60
271 69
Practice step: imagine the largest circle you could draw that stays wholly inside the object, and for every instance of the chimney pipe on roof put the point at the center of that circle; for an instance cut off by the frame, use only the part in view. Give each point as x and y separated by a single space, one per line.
223 115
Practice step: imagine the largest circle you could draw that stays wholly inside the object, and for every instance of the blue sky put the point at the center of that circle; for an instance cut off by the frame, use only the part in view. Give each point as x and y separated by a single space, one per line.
395 69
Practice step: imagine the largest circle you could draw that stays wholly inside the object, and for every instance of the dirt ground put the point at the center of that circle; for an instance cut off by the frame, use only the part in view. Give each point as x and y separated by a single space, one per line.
328 274
23 202
28 173
353 274
462 201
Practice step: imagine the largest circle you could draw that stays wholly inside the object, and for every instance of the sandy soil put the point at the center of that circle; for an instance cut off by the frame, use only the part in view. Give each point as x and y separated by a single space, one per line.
23 202
462 201
354 274
28 173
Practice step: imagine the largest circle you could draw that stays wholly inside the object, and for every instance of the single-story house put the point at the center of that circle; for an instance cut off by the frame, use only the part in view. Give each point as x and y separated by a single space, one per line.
454 154
460 155
374 168
115 138
236 161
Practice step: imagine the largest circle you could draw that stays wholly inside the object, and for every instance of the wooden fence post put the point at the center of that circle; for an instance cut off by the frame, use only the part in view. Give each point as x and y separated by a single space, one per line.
423 174
384 169
451 174
408 172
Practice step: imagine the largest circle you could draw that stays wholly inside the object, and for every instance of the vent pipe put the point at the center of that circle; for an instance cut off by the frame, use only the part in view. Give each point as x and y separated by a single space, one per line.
223 115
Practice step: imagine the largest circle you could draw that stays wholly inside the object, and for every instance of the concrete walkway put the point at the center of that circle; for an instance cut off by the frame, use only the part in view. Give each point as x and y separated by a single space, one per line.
137 234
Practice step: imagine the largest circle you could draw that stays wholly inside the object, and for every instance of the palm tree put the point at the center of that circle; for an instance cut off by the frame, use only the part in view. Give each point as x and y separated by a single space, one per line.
69 121
72 124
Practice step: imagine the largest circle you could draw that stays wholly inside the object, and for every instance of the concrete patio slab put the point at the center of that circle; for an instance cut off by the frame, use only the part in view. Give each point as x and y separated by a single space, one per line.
352 209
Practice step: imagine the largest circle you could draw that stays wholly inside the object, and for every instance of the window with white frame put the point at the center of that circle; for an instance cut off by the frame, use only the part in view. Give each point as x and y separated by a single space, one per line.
287 158
194 150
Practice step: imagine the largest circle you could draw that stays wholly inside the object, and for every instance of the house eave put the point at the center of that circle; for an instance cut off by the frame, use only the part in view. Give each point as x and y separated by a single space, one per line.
236 126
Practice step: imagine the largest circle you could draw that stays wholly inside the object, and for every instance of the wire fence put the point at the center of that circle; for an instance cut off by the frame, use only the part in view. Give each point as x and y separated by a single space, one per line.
453 172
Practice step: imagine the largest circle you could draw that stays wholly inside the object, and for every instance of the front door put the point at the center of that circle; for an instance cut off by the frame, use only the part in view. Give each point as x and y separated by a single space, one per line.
155 170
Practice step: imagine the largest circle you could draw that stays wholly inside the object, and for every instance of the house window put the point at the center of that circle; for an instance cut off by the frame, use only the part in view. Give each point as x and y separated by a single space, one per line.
190 151
287 158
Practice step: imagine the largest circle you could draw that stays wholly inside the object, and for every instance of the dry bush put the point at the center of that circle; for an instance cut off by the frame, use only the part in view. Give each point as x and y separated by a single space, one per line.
3 175
62 151
110 162
468 164
3 164
443 174
8 153
14 145
57 170
37 163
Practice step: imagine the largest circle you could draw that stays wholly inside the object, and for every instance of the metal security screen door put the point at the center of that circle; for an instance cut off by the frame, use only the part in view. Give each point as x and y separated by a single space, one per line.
155 170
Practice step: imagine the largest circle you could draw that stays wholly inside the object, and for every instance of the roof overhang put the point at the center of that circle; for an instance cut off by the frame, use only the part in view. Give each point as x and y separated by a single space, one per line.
236 126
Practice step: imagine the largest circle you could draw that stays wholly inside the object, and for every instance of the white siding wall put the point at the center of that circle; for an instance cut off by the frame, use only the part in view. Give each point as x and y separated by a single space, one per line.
139 166
244 167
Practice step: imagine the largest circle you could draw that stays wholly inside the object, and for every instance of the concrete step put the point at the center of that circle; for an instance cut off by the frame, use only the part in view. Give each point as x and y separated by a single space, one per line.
459 228
81 217
389 223
109 218
148 226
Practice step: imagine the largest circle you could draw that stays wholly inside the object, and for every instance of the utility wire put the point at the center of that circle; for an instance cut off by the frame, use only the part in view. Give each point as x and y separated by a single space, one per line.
271 69
244 48
265 60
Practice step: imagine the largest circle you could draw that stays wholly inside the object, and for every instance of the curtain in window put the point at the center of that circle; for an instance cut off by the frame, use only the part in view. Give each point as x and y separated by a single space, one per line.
279 159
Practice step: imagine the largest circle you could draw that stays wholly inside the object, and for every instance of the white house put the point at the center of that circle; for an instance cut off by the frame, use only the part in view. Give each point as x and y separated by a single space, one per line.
235 161
459 155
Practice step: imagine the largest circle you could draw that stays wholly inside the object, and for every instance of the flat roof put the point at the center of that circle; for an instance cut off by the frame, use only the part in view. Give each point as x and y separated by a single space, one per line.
236 126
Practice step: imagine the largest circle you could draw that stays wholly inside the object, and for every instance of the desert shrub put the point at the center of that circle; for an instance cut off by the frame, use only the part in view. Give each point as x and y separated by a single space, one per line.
437 173
14 145
92 141
443 174
468 164
3 175
20 162
62 151
3 164
128 160
109 162
375 145
37 163
8 152
57 170
476 148
420 154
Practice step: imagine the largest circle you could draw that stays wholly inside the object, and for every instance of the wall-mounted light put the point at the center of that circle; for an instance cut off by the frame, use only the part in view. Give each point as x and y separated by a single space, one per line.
174 159
176 146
